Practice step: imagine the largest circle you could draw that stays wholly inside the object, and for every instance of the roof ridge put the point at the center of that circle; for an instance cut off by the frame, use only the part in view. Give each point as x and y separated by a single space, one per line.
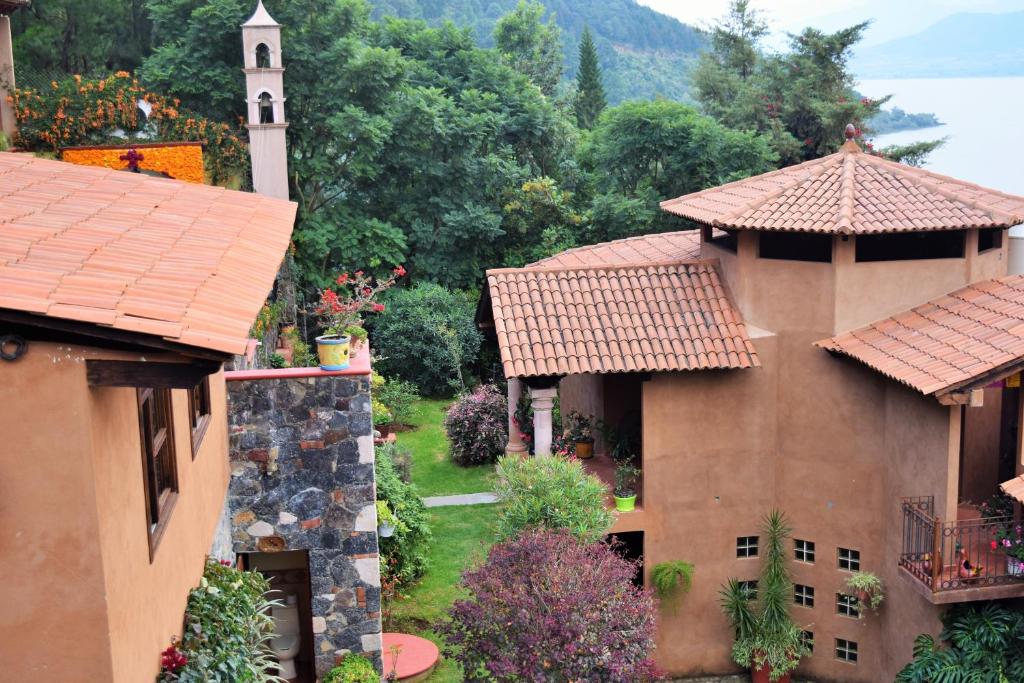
847 183
923 178
605 266
822 166
618 241
771 174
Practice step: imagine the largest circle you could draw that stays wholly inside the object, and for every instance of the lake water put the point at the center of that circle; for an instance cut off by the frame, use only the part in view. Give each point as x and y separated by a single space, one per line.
984 120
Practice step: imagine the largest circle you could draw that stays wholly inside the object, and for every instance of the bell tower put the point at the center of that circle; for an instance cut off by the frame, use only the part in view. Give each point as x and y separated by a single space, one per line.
264 87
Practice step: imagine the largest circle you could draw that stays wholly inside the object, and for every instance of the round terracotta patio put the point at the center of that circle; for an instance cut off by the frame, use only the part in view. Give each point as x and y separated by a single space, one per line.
417 656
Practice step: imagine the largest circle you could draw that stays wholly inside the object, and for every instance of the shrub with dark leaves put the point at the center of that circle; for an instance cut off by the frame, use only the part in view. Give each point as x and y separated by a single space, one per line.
477 426
545 607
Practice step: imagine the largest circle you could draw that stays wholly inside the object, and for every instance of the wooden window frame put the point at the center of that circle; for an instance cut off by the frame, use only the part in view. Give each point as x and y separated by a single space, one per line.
847 651
199 420
804 550
747 547
803 596
847 606
155 405
848 559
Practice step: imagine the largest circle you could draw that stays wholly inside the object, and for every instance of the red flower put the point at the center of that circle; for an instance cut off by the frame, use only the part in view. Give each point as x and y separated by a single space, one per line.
399 271
342 279
994 545
378 308
367 291
359 273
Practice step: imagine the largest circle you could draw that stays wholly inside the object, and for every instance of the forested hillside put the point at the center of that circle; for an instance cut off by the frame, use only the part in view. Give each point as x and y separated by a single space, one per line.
644 54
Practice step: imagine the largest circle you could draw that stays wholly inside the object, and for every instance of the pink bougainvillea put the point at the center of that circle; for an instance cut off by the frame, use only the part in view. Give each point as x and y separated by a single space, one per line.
546 607
477 426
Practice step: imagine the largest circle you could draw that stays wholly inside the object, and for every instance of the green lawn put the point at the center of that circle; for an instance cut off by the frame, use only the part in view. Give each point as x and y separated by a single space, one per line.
462 535
433 472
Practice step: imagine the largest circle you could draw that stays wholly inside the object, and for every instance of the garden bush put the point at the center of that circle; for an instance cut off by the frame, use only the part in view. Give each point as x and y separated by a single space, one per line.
982 643
403 556
227 628
426 336
398 395
353 669
546 607
553 493
477 426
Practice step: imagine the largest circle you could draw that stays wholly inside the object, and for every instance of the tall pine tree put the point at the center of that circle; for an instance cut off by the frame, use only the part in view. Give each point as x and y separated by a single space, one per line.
590 100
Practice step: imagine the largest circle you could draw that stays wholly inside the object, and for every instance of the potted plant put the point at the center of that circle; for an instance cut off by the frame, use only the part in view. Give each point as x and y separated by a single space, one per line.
1010 539
625 486
387 522
868 589
671 578
580 432
357 337
765 638
340 314
623 439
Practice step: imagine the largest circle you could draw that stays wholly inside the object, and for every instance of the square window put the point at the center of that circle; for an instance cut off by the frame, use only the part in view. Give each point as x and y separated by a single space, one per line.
199 412
807 638
746 546
849 560
750 588
804 551
803 595
846 651
847 605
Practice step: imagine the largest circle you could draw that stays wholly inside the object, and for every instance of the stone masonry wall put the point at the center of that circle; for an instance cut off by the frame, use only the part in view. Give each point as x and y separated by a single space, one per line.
302 478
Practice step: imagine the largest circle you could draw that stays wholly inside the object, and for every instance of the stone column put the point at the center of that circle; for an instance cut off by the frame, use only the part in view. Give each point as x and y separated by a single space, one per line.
543 400
8 124
515 441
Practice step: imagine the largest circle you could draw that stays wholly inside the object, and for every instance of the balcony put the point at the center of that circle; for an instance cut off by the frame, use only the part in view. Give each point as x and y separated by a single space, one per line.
956 561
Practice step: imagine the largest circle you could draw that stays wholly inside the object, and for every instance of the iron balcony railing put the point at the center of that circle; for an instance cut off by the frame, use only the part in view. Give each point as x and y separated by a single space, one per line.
949 556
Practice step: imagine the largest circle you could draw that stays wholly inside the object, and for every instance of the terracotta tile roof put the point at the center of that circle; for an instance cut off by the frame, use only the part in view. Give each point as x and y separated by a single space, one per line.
850 192
190 263
1014 488
666 246
620 318
946 343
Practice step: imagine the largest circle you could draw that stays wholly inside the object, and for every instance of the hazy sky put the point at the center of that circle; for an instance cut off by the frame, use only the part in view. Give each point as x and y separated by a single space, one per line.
893 18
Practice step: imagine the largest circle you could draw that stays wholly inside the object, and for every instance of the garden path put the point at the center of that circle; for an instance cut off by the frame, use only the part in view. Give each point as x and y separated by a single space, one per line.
461 499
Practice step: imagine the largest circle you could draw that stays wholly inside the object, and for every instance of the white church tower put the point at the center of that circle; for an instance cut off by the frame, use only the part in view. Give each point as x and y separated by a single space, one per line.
264 86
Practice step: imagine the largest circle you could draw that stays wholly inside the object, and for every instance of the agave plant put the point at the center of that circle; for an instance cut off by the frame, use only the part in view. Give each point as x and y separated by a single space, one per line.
764 633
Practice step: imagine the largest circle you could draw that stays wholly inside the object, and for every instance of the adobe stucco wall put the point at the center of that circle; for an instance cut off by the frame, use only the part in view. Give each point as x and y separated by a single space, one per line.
146 600
89 605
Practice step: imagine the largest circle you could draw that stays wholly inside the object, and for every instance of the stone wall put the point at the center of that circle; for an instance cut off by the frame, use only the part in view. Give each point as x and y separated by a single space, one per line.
302 478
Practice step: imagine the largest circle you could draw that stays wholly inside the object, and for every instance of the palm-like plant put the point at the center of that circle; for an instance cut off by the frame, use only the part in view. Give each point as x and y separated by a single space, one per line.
983 644
764 633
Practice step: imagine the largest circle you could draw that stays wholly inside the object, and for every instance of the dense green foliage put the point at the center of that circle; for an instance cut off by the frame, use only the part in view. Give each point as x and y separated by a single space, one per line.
531 46
551 493
227 627
670 578
590 99
353 669
983 643
398 396
426 336
477 426
895 119
764 633
644 54
402 555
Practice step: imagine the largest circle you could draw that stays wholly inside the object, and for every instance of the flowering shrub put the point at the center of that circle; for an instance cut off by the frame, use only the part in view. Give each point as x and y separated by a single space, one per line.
353 669
552 493
1010 539
80 111
227 626
477 426
339 313
179 161
545 607
403 556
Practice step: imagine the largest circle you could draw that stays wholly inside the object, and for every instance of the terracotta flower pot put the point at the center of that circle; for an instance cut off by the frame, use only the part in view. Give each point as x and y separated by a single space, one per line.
584 449
763 675
333 350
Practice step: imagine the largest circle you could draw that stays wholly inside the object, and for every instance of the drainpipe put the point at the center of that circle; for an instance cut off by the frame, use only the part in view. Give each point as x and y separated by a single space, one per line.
543 400
515 440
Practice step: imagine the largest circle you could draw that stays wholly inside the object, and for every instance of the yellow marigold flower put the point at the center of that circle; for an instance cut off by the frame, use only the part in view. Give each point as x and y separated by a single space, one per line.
53 84
122 74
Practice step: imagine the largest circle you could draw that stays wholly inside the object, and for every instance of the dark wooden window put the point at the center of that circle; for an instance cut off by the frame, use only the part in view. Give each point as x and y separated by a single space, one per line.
846 650
847 605
989 238
199 412
746 546
803 595
796 246
804 551
159 470
849 560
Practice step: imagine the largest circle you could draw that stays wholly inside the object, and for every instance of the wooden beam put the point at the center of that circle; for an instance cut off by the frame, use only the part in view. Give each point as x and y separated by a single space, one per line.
109 334
119 373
